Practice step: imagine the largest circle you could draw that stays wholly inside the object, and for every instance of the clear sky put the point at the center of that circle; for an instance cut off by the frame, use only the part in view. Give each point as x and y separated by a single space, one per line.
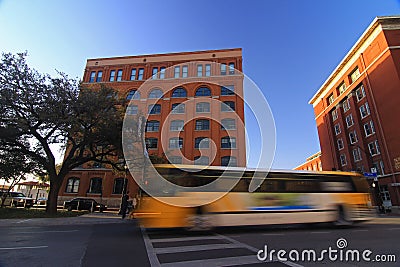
289 46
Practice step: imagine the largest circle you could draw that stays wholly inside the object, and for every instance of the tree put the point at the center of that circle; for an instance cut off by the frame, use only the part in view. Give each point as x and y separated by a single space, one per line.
13 168
39 111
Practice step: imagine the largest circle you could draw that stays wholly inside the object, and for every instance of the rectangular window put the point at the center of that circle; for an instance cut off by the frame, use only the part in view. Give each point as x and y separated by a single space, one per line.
202 125
357 154
177 72
178 108
184 71
208 70
364 110
99 76
133 74
340 144
343 161
176 125
374 148
369 129
151 143
92 76
119 75
353 137
140 74
112 76
132 110
360 93
337 129
223 69
199 70
231 68
349 120
346 105
162 72
331 98
341 88
334 115
96 185
385 195
154 75
354 75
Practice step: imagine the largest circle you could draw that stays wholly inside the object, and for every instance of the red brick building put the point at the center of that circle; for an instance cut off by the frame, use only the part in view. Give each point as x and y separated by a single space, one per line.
313 163
194 106
357 110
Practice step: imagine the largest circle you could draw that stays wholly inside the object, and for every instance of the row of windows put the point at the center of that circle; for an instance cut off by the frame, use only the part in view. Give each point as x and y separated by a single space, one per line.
178 125
181 92
342 86
159 72
95 186
359 93
368 130
179 108
373 148
199 143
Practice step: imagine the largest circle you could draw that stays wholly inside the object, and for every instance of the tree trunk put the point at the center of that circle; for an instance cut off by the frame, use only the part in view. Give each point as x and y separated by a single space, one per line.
55 185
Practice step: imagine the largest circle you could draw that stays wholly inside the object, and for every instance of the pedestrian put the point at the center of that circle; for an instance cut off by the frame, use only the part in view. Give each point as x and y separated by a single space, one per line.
124 204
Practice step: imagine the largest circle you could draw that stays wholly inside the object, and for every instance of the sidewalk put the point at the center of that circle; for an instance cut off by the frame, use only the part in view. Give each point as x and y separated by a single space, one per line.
90 218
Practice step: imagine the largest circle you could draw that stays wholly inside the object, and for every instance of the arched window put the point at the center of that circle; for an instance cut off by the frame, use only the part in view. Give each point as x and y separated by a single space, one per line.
201 143
203 91
228 106
133 95
179 92
229 161
72 185
202 107
176 125
120 185
202 125
176 143
155 93
155 109
178 108
203 160
152 126
96 185
228 142
228 124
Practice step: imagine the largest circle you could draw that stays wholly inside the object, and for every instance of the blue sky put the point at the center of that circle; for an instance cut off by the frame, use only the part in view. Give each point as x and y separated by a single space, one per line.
289 46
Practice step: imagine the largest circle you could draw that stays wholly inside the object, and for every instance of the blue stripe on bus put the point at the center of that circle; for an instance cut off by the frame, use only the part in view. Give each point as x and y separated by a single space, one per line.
282 208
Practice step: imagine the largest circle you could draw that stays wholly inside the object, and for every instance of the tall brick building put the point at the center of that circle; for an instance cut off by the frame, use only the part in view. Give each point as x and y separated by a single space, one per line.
357 110
193 104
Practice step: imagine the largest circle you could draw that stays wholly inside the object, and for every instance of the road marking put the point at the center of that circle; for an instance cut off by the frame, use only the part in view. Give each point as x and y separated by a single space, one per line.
177 239
41 232
24 220
16 248
229 261
151 254
195 248
397 228
274 234
320 232
361 230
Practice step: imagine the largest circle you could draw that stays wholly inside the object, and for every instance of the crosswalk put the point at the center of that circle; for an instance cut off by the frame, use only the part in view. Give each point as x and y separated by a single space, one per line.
212 249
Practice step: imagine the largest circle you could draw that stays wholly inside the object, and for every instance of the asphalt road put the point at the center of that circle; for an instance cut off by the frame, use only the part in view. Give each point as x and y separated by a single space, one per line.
110 241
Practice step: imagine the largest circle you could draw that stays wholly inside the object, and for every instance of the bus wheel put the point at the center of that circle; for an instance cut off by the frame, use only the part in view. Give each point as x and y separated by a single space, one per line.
342 218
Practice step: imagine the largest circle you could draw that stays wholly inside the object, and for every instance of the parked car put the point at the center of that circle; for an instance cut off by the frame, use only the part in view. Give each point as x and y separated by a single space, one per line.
42 201
16 199
84 204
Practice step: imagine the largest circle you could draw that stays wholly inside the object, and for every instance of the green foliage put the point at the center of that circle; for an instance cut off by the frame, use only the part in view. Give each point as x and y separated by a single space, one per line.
39 111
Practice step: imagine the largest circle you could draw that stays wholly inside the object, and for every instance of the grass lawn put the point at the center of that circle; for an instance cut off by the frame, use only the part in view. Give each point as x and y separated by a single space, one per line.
21 213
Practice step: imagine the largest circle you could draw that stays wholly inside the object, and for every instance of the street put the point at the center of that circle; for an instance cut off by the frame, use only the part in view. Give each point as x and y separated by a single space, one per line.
105 240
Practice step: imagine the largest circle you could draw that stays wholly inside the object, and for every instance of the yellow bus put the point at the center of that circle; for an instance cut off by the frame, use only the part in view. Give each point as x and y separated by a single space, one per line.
282 197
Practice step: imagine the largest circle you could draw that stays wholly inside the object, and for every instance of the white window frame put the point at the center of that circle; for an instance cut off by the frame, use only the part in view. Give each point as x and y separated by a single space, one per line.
349 120
346 105
340 144
354 135
337 129
343 161
362 91
334 114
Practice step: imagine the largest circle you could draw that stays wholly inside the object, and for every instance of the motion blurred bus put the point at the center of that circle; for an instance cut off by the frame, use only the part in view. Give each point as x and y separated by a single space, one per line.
282 197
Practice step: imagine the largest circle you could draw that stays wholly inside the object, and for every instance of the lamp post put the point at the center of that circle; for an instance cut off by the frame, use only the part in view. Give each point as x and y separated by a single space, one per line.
375 183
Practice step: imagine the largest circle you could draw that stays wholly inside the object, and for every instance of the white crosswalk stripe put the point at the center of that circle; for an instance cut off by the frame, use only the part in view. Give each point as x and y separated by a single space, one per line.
201 250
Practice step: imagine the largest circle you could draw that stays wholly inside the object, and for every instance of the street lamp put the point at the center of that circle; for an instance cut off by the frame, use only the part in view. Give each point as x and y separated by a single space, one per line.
375 186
